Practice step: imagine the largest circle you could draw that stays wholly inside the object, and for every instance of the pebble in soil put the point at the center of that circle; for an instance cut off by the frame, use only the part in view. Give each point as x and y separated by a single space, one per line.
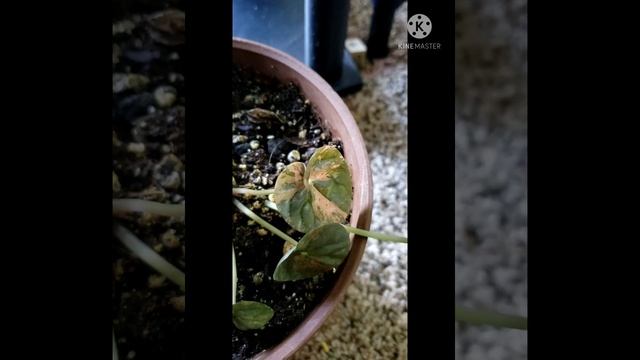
284 129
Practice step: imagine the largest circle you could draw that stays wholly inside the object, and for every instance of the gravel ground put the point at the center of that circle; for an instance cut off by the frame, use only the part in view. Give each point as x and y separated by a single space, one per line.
491 178
491 220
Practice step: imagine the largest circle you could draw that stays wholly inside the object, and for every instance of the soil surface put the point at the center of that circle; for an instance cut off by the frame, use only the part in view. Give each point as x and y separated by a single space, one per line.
148 163
263 143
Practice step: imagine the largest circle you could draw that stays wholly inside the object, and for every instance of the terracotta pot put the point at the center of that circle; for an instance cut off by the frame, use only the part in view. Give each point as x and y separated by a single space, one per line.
336 117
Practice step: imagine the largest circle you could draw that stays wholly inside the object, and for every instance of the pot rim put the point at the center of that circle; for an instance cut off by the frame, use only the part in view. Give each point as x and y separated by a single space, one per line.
362 201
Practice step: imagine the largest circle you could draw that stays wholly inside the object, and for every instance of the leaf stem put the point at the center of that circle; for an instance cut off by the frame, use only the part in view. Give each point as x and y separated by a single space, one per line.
146 206
245 210
245 191
376 235
147 255
234 279
479 317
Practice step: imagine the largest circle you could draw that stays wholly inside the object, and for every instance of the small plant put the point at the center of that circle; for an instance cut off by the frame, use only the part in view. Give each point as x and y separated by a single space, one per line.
316 200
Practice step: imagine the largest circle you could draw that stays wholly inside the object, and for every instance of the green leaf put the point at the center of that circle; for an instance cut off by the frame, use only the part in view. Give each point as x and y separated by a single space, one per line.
318 194
251 315
319 251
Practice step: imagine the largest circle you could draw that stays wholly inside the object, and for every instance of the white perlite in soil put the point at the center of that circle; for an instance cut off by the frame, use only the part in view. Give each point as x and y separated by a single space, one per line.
371 322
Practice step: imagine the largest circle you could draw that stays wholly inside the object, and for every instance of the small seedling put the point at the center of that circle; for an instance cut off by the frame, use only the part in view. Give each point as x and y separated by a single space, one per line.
315 199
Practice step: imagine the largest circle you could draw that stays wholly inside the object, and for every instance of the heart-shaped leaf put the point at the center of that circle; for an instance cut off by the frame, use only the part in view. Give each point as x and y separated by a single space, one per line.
251 315
317 194
320 250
